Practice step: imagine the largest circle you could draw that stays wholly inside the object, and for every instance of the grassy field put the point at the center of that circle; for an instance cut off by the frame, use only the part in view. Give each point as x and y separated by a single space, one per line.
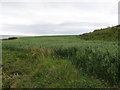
60 62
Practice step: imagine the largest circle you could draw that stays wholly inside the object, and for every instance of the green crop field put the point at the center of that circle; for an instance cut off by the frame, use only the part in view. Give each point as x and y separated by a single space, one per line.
60 62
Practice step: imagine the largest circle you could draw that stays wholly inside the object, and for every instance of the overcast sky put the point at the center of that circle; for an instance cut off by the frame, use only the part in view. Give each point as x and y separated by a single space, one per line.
56 17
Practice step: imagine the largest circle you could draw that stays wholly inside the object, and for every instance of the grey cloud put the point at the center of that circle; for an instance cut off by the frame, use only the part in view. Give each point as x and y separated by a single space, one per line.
64 28
79 5
16 8
84 24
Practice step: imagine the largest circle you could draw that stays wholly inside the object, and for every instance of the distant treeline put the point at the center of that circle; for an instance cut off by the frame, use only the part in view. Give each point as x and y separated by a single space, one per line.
110 33
10 38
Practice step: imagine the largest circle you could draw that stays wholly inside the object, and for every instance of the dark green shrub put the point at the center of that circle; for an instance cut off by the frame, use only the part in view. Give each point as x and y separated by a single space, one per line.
11 38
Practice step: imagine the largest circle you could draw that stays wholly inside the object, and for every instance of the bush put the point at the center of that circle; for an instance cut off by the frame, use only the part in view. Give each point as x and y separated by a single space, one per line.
11 38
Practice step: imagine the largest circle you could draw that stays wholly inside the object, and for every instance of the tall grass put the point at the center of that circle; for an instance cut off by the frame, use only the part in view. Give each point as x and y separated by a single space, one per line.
95 58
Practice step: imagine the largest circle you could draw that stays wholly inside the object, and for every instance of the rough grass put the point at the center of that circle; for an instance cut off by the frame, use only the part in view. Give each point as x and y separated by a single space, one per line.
60 61
108 34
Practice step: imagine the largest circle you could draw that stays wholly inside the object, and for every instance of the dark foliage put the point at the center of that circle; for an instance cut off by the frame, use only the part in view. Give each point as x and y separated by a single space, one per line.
11 38
108 34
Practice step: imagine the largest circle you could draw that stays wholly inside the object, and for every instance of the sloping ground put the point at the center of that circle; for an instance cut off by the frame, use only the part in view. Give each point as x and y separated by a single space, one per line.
60 61
110 33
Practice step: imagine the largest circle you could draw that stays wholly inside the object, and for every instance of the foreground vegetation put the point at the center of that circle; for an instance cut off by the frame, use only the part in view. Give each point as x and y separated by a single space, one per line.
60 61
86 61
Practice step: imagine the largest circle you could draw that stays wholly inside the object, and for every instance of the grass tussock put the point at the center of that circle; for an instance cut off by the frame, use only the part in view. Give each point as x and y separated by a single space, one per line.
60 62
